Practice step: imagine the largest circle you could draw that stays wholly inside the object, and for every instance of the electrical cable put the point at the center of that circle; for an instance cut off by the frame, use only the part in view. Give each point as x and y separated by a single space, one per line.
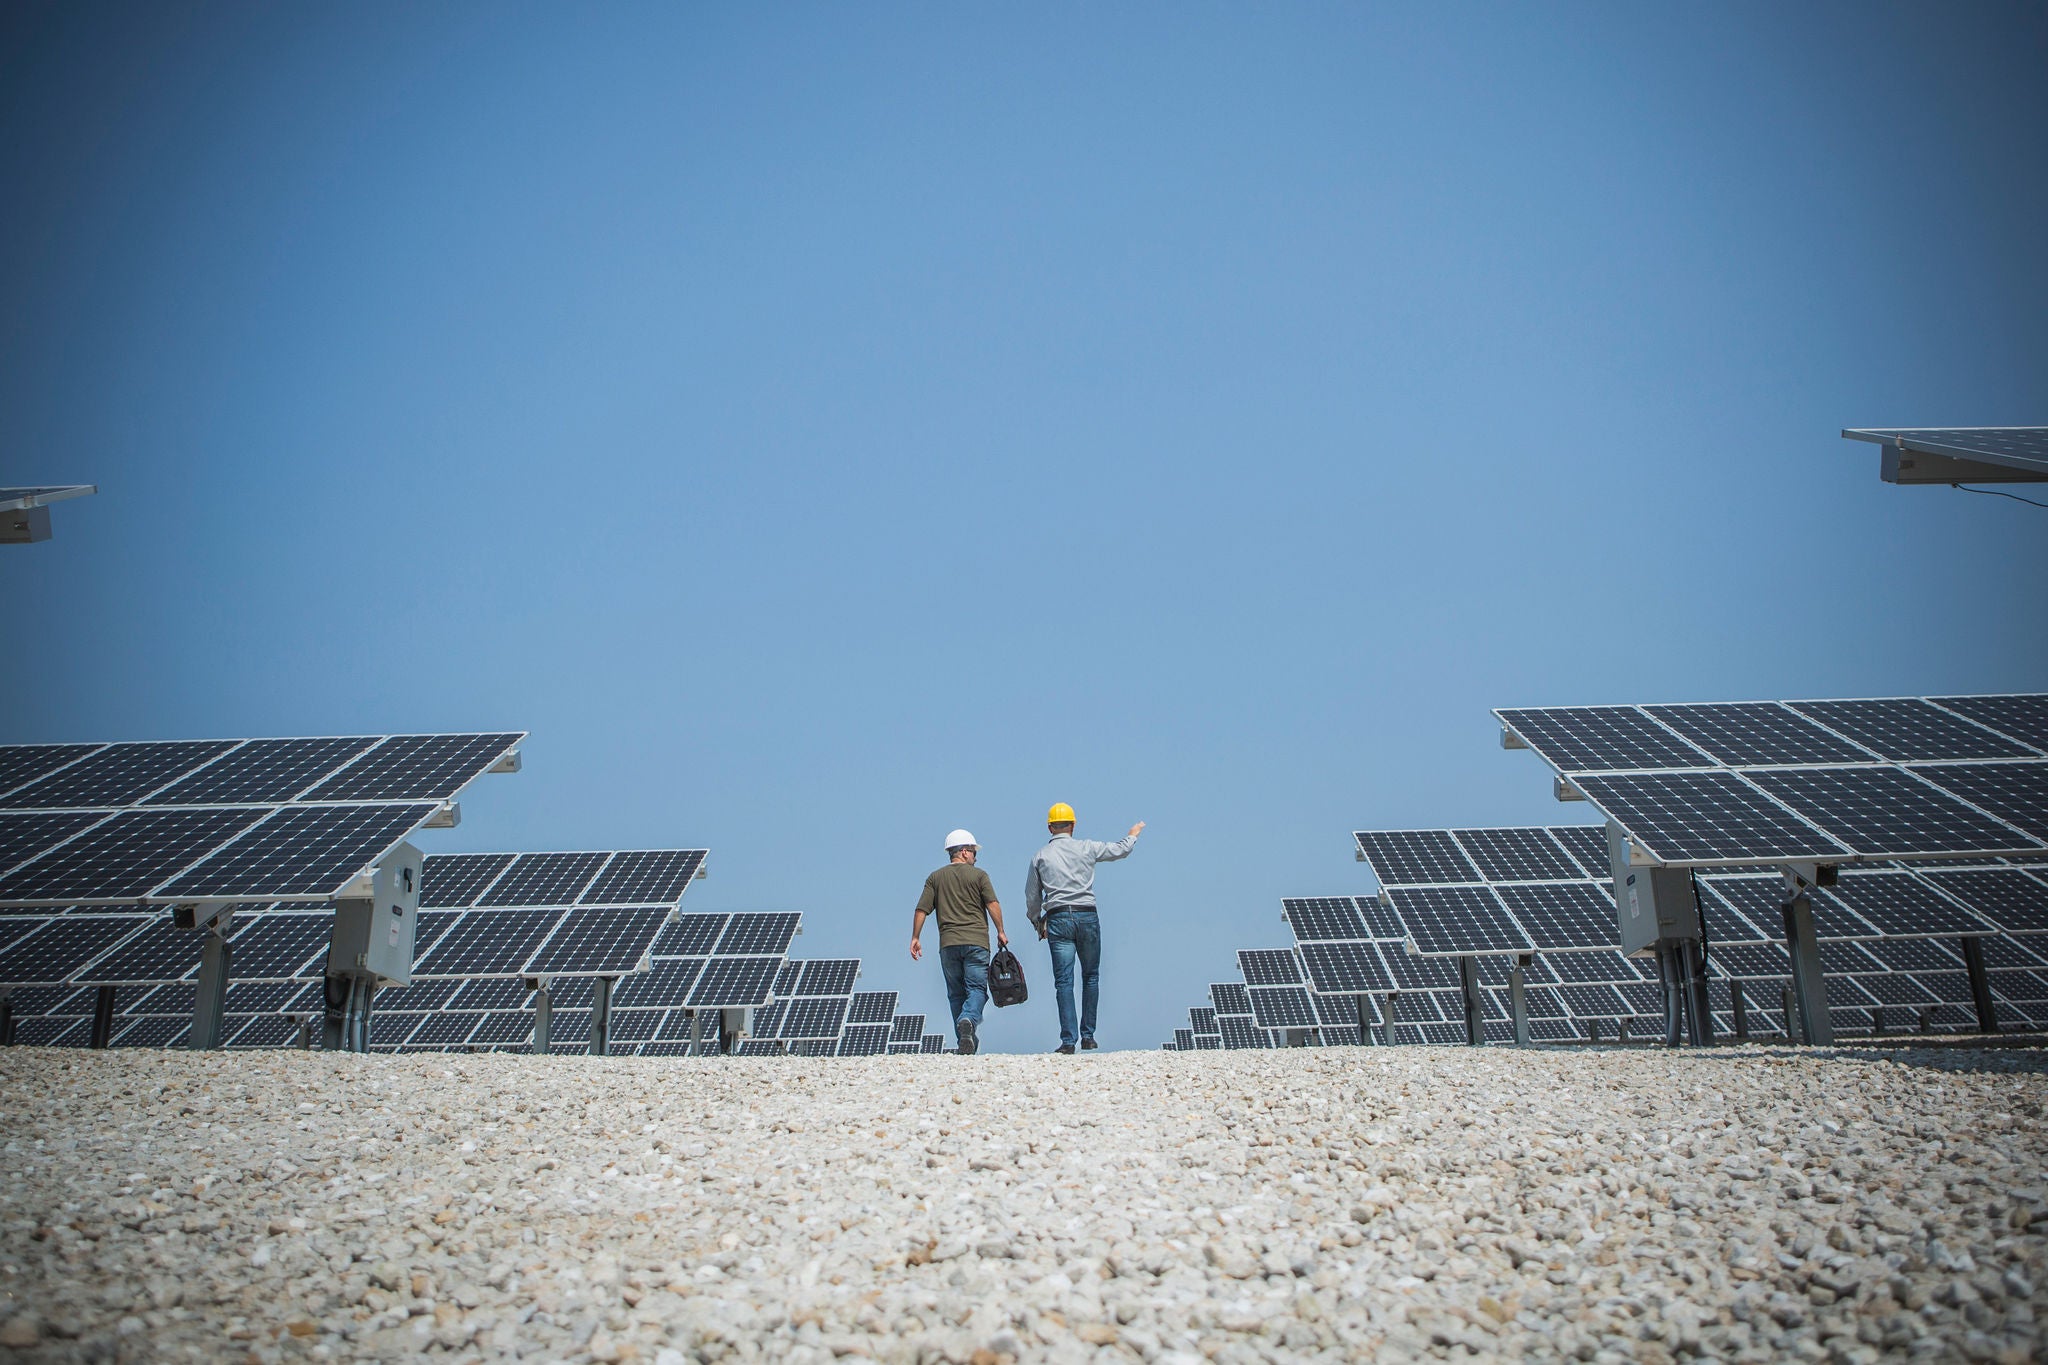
1993 492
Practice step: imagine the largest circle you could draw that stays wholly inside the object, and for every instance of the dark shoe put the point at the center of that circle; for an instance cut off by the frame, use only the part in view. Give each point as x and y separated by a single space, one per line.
1063 1050
964 1030
1087 1045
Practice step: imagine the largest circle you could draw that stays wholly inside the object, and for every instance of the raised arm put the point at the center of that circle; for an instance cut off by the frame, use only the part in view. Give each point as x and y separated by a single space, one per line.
1109 853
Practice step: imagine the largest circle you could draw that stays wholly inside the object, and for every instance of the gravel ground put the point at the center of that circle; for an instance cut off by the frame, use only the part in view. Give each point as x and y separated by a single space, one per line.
1350 1203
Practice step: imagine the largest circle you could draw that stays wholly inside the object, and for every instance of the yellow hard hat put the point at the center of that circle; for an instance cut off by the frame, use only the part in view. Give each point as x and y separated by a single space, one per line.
1060 814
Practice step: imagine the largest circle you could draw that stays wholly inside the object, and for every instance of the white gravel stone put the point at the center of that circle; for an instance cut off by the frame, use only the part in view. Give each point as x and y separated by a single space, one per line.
1742 1204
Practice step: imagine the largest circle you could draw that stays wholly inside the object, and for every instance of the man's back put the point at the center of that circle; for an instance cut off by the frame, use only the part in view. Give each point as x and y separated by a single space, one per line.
1062 875
959 895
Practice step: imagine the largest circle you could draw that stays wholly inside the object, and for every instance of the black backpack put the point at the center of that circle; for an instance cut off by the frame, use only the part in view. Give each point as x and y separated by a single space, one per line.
1006 979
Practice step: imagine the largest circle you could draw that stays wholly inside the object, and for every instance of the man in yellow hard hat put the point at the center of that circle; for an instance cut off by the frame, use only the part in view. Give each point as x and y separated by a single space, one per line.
1059 897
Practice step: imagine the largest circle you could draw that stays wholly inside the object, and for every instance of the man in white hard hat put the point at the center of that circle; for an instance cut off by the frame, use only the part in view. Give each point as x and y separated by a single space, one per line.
964 899
1059 900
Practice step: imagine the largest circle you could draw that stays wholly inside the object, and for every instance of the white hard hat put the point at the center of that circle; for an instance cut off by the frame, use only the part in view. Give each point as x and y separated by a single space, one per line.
960 838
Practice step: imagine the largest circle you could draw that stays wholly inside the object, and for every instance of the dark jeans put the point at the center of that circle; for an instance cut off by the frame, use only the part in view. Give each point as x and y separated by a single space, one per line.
966 968
1071 934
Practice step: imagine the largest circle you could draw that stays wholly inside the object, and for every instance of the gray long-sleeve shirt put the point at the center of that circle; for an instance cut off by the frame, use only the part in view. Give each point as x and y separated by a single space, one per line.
1062 875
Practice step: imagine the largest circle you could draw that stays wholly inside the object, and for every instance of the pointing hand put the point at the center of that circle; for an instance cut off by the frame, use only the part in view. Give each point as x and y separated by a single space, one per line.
1137 829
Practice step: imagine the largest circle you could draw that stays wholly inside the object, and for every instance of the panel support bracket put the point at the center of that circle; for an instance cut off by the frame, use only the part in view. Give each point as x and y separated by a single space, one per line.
1809 986
210 1005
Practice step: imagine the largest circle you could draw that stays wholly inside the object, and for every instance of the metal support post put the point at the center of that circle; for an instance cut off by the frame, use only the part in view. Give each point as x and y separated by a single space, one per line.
1674 1006
1393 997
1699 1007
1475 1012
360 1001
1621 1030
1740 1003
212 1001
601 1016
6 1019
1592 1030
335 994
1518 997
1809 987
696 1032
102 1017
1365 1032
543 1016
1877 1022
1980 985
1785 1008
305 1040
1926 1020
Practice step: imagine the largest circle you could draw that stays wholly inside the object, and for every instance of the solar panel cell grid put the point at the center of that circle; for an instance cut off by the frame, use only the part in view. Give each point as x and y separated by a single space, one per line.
545 879
666 985
1907 729
2013 900
125 857
1457 921
1268 967
1523 854
300 851
813 1018
1901 905
645 877
906 1028
2016 793
1755 733
1747 960
266 1030
457 879
262 771
1884 812
1415 857
503 1028
690 936
2024 718
117 774
488 943
1324 917
1412 973
829 976
606 942
1601 738
758 934
1240 1034
1588 846
1561 916
63 947
1281 1007
160 1030
156 953
1707 817
280 946
1229 998
21 764
871 1007
1920 954
864 1040
429 767
1340 967
490 993
734 981
1848 959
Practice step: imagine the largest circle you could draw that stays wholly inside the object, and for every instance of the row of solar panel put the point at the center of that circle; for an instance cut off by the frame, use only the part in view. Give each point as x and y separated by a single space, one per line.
626 877
246 772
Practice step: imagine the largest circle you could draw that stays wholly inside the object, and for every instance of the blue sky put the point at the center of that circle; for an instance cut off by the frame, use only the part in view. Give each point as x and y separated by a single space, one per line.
823 426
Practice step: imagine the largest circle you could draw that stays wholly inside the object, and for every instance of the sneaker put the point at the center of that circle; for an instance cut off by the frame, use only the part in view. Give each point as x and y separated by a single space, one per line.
1087 1045
965 1032
1064 1050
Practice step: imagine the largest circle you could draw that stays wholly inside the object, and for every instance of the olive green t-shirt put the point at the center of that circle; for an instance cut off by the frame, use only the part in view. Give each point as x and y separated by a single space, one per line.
958 894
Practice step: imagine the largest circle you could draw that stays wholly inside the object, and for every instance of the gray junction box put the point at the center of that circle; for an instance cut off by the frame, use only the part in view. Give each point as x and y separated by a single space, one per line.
373 934
1655 904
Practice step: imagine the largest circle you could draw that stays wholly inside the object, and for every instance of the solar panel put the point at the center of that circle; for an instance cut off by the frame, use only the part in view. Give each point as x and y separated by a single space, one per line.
871 1007
278 946
2023 448
1412 973
419 996
390 1028
1240 1034
1415 857
1324 917
2024 718
906 1028
828 976
489 993
1747 733
545 879
690 936
1564 916
1281 1007
21 764
600 942
645 877
1922 954
1229 998
1884 812
1910 729
1458 920
2011 899
63 947
1901 905
125 857
299 851
441 1030
1742 909
1344 967
2016 793
812 1018
1516 854
1591 968
157 953
173 997
457 879
262 772
488 943
864 1040
1268 967
1498 970
265 1030
1588 846
1184 1040
117 774
1749 960
731 982
1203 1018
753 934
1706 817
1599 1001
157 1030
417 767
1579 739
503 1028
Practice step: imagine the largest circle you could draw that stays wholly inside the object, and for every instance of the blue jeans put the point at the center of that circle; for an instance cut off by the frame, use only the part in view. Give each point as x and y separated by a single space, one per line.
966 968
1071 934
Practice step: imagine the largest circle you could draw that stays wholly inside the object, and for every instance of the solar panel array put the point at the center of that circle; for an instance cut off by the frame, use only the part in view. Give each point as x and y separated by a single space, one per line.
162 822
1756 784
